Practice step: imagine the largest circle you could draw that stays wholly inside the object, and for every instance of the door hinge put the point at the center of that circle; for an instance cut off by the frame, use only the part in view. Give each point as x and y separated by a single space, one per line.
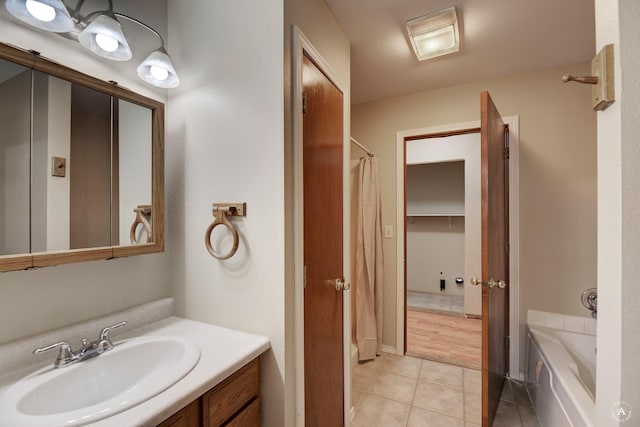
507 342
304 278
304 102
506 153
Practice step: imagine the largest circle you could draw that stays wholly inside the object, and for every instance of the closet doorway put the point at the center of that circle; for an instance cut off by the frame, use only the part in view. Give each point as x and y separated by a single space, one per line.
443 248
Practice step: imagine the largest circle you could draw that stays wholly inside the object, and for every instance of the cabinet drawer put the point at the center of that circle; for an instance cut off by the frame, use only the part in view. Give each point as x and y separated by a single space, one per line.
250 417
227 398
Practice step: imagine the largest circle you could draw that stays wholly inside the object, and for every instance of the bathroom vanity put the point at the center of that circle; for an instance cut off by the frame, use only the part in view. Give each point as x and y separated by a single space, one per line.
216 381
234 402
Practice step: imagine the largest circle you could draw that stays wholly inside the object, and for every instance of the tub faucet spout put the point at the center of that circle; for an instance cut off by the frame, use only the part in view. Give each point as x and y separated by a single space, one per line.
589 300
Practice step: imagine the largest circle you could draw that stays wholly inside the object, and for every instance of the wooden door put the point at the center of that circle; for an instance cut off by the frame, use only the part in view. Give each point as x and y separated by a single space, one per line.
495 259
322 164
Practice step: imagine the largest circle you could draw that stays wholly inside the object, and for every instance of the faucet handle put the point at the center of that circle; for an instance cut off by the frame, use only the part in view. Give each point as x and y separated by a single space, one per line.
65 355
104 334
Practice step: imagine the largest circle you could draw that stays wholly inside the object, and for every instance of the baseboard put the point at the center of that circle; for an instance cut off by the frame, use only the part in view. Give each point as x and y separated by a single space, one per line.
389 349
473 316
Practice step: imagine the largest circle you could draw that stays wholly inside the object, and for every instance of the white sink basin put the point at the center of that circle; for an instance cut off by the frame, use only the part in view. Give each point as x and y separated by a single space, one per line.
133 371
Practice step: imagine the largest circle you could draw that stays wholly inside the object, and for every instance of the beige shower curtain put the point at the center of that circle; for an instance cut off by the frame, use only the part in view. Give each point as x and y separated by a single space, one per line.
368 261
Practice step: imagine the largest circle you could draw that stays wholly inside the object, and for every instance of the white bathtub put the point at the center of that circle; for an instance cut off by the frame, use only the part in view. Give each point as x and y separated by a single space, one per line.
561 372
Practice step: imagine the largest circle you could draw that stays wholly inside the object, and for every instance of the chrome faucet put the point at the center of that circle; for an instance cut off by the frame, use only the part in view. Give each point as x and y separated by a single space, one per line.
589 300
67 356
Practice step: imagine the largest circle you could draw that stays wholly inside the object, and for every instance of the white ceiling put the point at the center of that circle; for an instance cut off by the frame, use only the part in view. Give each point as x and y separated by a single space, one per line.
498 38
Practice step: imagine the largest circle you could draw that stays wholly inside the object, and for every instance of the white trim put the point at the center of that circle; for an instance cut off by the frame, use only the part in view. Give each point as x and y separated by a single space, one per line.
302 45
515 370
514 235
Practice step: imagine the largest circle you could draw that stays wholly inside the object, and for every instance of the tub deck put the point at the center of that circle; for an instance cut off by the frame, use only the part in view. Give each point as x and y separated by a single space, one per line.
561 369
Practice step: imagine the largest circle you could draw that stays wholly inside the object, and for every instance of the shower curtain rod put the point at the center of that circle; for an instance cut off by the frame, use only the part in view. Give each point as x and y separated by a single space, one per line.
366 150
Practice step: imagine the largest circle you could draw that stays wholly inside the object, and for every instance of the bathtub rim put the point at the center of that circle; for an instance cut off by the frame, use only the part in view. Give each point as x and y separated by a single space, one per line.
558 360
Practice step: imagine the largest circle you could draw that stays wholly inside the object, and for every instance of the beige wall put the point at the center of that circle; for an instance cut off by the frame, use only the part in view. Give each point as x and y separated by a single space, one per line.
318 24
557 177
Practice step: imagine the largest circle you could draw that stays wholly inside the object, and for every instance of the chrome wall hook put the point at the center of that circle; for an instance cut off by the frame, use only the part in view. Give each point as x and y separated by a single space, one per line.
589 299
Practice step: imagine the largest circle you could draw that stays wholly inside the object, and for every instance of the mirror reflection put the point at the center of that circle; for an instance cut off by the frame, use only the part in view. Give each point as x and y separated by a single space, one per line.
15 106
134 170
75 166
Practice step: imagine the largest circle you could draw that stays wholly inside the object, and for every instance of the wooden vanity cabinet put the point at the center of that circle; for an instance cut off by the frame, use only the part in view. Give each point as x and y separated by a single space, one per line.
235 402
189 416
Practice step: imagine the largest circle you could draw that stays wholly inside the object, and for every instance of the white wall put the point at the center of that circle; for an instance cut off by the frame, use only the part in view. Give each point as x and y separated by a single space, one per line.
35 301
435 250
51 136
58 191
618 221
134 156
435 188
630 114
225 144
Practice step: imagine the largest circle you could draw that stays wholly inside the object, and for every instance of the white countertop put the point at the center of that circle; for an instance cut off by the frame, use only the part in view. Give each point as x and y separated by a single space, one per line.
222 352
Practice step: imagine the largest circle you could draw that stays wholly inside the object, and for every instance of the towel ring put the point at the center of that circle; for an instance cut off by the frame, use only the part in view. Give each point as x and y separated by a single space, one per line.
221 212
143 213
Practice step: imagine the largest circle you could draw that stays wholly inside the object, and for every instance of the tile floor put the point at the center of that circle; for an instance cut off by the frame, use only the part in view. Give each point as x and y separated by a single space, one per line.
436 303
403 391
515 409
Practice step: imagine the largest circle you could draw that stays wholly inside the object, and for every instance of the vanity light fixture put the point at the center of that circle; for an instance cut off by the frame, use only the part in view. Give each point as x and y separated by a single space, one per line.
435 34
104 37
100 32
48 15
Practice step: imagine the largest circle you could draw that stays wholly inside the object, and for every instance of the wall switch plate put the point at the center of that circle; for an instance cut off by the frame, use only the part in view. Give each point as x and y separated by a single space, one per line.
58 166
388 231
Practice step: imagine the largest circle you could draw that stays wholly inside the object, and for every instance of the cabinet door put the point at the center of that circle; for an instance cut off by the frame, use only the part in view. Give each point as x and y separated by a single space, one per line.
249 417
231 395
189 416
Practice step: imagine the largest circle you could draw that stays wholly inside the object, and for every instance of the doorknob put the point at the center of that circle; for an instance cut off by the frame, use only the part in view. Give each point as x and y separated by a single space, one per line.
340 284
490 284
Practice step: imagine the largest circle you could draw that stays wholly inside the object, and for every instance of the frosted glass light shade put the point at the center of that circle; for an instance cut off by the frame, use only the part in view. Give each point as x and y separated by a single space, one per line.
60 23
110 30
435 41
435 34
156 66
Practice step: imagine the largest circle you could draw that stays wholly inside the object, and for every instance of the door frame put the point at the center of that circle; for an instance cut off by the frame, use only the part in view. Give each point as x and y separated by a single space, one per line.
514 309
302 46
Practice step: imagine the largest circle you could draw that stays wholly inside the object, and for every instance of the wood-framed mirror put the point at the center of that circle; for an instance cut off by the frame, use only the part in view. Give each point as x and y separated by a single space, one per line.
81 166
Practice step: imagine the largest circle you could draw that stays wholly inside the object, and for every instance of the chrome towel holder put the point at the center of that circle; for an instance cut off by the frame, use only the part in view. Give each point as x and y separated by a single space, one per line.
143 215
221 212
